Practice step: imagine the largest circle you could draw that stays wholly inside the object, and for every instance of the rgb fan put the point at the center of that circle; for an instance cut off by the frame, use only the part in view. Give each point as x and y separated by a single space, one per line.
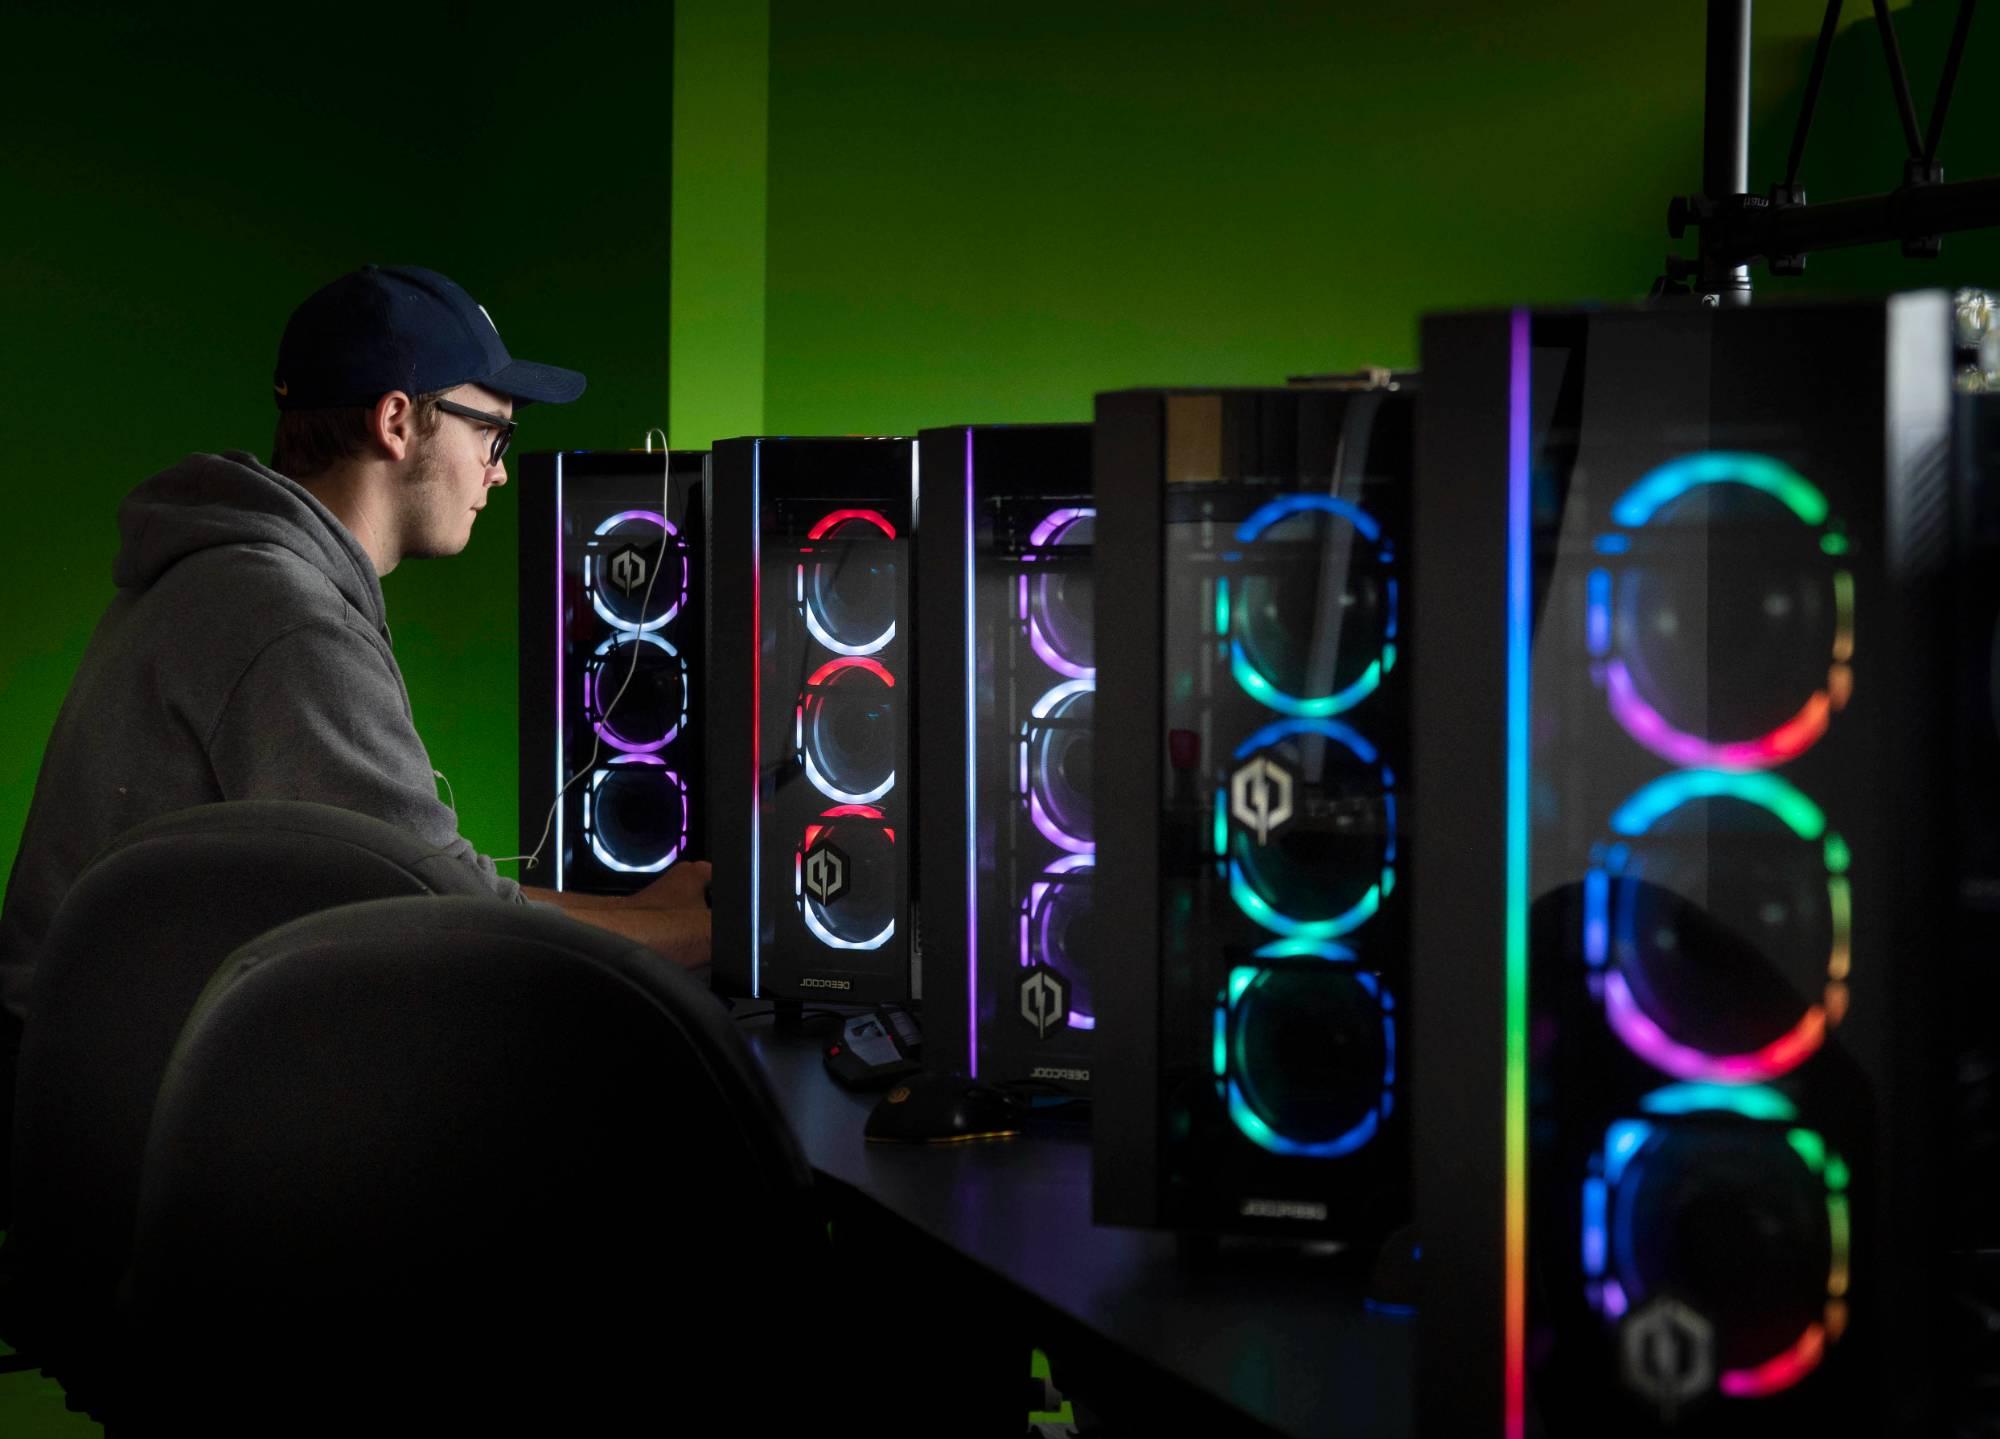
1305 1058
1055 930
844 877
843 730
621 568
849 597
637 702
1734 653
1055 761
1313 555
1717 1215
1057 604
1307 827
1723 901
635 817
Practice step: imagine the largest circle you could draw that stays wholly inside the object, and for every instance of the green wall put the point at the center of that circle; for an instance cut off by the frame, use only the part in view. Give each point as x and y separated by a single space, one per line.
989 213
968 213
175 180
722 50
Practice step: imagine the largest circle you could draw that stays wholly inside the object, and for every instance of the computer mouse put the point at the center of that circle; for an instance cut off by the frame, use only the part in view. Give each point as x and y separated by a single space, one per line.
943 1109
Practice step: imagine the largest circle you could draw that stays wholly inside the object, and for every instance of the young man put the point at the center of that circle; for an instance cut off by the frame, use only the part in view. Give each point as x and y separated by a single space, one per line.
246 655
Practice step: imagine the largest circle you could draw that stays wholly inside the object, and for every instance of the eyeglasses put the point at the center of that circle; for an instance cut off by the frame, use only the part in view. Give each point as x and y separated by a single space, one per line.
500 423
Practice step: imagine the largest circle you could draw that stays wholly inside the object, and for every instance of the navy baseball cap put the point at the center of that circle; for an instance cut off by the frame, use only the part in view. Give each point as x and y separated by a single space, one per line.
399 327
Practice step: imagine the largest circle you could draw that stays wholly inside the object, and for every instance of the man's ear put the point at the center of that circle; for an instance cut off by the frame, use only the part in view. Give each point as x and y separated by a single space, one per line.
392 425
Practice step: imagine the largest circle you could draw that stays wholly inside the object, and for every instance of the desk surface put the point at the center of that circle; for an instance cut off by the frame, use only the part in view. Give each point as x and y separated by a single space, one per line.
1275 1333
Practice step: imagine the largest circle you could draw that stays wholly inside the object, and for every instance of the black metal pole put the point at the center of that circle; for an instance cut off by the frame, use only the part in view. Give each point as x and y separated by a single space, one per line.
1942 105
1820 51
1899 79
1725 137
1901 214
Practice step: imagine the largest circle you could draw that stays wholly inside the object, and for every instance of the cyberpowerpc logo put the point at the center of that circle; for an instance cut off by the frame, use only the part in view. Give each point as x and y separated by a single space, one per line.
1260 796
826 872
627 569
1668 1354
1044 999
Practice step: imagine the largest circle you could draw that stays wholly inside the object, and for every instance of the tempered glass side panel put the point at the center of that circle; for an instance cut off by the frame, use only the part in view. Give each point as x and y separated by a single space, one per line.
1034 681
1713 751
834 803
1284 919
623 695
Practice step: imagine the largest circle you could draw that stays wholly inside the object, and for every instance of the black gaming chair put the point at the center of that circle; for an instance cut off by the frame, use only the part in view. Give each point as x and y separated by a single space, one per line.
134 942
465 1166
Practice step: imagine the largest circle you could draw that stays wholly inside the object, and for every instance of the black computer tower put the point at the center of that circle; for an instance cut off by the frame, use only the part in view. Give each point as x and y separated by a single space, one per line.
1683 727
810 704
612 665
1972 1036
1005 738
1253 891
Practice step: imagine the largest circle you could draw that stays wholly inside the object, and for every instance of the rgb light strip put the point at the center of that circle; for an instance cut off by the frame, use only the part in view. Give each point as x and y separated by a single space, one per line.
1520 556
1245 1117
1254 681
972 779
1605 1240
596 591
756 715
1641 720
562 615
1640 1032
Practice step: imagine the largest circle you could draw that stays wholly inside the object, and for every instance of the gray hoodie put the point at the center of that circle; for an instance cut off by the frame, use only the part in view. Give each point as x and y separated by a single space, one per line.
246 656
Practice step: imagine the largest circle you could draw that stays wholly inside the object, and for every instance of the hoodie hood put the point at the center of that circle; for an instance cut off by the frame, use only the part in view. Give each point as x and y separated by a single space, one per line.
231 499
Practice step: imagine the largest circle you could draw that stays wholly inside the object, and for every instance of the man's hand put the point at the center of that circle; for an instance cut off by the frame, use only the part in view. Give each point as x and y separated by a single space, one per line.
670 915
685 886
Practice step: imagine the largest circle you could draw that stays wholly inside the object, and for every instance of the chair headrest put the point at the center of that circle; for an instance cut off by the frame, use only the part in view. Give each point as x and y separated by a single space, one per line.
127 954
377 1100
